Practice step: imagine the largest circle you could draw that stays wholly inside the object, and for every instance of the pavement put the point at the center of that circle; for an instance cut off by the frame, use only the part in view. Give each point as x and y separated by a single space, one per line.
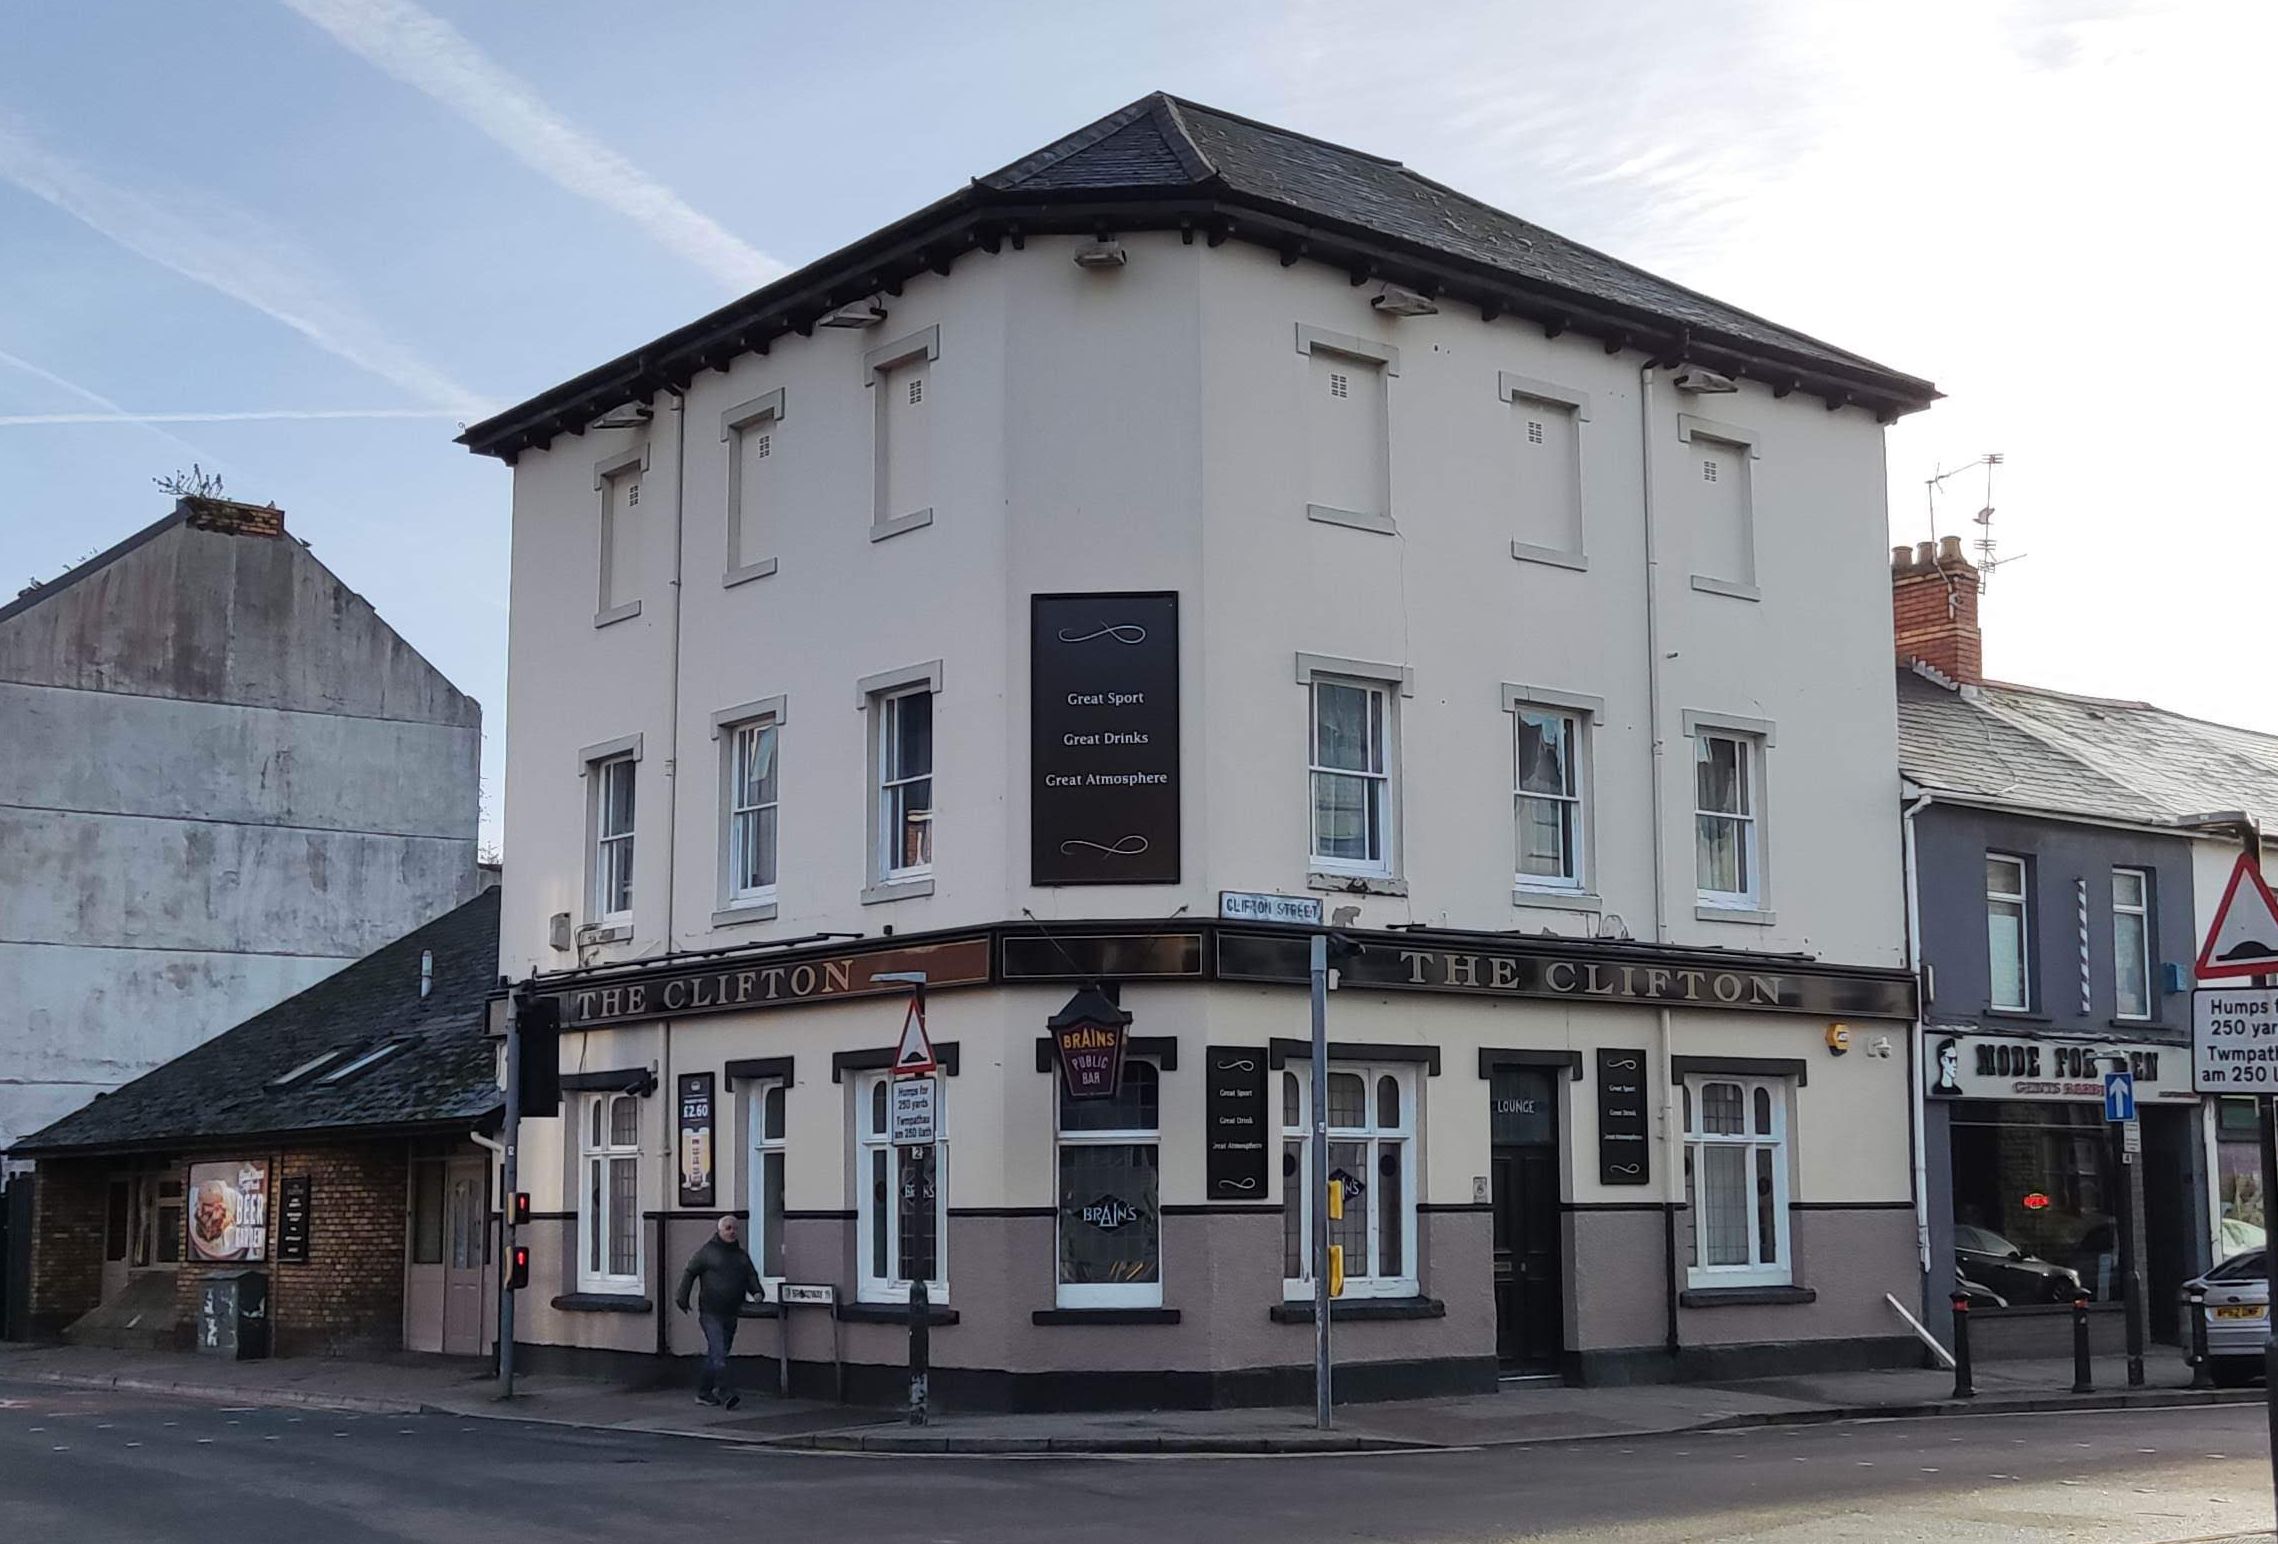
1521 1414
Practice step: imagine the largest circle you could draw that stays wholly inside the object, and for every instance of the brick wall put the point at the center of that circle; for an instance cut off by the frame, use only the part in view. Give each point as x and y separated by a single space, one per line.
233 518
1933 599
67 1242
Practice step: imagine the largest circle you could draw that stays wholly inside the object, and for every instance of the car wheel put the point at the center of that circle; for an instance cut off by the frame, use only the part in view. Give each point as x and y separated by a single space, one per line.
2234 1372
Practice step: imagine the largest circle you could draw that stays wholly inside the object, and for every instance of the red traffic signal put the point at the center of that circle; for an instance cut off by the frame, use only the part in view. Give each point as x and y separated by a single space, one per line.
518 1268
521 1208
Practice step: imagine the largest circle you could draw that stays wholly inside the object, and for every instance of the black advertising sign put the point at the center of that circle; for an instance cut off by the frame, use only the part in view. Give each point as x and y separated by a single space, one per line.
293 1220
696 1139
1103 674
1234 1119
1625 1156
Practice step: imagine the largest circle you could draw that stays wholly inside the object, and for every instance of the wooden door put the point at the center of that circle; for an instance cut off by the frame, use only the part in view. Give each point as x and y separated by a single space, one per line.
466 1226
1529 1261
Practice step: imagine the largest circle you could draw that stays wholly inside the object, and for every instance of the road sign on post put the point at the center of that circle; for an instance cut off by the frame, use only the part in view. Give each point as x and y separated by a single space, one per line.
2234 1040
2119 1096
913 1055
910 1120
2243 938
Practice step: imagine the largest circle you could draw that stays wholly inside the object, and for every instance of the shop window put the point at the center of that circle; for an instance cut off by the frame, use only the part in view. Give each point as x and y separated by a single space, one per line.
1736 1181
2131 943
763 1179
1372 1136
2036 1187
1110 1224
2008 928
609 1200
902 1210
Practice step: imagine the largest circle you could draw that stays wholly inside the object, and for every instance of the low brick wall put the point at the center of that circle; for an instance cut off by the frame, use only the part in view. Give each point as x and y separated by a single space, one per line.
67 1243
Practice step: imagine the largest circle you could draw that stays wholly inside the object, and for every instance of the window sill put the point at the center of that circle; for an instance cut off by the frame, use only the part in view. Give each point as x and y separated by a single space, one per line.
2018 1016
890 1313
1744 1297
896 890
1104 1316
2144 1026
624 613
1351 519
1746 916
1356 884
739 913
881 530
605 1302
1361 1310
746 574
1557 900
1528 552
1726 587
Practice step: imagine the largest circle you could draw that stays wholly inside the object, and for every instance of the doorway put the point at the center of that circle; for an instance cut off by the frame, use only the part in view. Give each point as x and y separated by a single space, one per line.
447 1279
1530 1319
142 1226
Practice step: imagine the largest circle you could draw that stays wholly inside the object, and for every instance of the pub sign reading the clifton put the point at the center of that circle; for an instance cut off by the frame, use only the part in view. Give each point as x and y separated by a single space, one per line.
1103 799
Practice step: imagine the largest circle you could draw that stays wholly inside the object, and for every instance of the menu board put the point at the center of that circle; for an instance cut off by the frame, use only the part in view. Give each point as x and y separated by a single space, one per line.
696 1139
1625 1157
1234 1119
1104 739
293 1195
229 1210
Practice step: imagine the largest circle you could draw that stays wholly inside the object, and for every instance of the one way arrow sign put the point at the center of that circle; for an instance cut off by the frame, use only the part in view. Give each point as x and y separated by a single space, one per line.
2243 941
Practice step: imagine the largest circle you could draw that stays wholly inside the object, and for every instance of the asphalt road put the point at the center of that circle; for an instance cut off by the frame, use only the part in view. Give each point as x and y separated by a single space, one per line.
89 1468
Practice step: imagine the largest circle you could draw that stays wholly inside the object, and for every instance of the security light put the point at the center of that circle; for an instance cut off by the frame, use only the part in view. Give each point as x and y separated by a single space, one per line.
1396 301
1101 253
631 416
1703 382
860 313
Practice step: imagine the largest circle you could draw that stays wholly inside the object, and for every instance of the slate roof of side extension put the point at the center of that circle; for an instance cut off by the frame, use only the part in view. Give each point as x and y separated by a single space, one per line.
2063 754
1164 163
443 1076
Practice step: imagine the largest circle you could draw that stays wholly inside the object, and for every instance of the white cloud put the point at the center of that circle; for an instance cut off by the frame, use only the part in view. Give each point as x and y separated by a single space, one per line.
230 250
426 52
120 415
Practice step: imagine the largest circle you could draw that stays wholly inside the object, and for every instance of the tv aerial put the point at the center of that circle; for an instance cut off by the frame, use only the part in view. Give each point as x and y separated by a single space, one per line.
1988 554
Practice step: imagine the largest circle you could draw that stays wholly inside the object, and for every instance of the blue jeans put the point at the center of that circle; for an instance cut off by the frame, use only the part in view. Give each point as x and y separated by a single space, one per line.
719 1340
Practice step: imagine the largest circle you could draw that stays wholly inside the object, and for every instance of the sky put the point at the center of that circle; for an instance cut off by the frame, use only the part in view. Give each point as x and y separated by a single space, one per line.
300 242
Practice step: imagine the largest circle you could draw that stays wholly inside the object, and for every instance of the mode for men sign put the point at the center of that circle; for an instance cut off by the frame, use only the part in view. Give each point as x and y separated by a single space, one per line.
1103 794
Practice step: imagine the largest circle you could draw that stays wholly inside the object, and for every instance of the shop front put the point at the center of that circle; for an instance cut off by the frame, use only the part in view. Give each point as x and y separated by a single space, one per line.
1598 1161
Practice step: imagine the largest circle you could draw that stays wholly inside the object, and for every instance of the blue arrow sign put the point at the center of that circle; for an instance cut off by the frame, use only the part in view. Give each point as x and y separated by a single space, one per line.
2119 1096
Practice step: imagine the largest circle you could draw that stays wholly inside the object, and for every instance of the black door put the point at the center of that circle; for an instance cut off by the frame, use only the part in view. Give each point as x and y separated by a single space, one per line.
1529 1320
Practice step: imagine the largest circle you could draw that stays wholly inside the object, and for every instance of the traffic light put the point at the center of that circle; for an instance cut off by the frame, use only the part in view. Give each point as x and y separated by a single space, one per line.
538 1023
520 1214
518 1268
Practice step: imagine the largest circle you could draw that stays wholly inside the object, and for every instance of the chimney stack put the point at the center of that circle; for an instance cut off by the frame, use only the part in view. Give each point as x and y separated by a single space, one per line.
1933 600
232 518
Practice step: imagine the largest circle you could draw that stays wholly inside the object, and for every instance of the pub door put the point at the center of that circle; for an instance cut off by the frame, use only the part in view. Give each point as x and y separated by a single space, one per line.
1530 1332
466 1299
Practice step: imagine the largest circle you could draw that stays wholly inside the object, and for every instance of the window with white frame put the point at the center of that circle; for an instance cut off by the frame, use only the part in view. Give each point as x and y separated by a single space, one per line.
763 1177
1372 1150
1736 1181
2008 934
905 784
609 1199
1726 818
1548 796
753 794
2131 943
902 1200
1350 763
752 432
1111 1223
612 826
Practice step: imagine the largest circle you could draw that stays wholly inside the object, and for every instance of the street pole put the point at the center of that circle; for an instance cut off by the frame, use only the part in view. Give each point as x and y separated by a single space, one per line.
2268 1107
2131 1239
508 1233
1317 1204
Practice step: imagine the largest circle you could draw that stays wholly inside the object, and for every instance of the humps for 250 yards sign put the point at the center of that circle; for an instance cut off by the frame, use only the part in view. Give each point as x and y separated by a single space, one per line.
1103 794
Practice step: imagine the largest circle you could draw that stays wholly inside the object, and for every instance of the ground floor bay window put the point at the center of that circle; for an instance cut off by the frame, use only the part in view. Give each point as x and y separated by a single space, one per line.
609 1198
1110 1209
901 1200
1372 1156
1736 1181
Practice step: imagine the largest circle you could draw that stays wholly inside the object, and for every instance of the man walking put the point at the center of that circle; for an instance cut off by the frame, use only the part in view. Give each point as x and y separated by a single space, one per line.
722 1276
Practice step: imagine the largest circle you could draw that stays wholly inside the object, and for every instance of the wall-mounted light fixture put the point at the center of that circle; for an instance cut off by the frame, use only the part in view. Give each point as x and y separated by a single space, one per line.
860 313
1396 301
1703 382
1101 253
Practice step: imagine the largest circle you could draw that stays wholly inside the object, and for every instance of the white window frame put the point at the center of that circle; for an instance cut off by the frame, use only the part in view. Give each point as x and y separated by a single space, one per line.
607 473
761 415
2140 909
599 1157
1780 1271
758 1147
887 880
595 762
1755 738
1583 714
2021 900
1358 1284
870 1138
1132 1294
729 726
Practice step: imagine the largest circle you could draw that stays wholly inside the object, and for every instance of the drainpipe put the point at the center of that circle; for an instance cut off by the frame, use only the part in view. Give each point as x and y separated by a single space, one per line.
1672 1178
672 683
1918 1103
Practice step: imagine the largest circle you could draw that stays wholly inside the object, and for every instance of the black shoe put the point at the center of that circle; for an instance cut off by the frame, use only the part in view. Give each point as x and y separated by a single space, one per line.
731 1401
707 1397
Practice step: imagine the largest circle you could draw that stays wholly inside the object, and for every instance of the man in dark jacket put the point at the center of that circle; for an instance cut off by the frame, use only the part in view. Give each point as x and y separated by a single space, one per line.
722 1276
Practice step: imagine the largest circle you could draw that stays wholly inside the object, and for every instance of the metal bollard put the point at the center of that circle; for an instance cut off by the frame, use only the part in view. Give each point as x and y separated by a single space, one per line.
2202 1369
2082 1382
921 1350
1963 1388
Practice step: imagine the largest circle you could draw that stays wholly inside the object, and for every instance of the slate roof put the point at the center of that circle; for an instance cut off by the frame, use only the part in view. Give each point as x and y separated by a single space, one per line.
1166 163
444 1074
2070 755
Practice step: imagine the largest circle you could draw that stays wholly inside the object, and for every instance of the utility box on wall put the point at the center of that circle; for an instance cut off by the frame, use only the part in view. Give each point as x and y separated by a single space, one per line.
233 1314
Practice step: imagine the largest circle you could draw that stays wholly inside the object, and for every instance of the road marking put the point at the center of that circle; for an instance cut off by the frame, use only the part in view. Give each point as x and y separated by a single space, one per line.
134 1444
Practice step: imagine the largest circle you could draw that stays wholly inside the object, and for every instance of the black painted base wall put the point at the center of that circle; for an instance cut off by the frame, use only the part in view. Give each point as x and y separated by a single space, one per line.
1762 1359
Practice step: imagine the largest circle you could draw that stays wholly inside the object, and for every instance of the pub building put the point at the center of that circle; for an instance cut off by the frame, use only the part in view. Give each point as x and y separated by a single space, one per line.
1189 537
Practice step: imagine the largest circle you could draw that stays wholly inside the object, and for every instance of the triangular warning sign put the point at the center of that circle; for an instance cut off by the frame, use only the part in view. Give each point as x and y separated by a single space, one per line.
915 1053
2244 938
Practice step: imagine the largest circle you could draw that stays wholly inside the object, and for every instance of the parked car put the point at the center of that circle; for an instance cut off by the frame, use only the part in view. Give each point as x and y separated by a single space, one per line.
1978 1295
1993 1263
2238 1314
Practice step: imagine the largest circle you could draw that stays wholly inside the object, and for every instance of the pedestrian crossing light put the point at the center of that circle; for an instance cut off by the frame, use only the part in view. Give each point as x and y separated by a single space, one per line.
518 1268
521 1212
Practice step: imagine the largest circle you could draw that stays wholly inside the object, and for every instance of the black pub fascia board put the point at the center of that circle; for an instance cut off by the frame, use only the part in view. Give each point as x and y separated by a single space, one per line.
1491 1057
630 1080
756 1068
1743 1067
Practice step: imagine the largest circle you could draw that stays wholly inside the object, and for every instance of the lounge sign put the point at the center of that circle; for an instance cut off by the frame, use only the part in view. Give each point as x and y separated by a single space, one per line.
785 983
1103 758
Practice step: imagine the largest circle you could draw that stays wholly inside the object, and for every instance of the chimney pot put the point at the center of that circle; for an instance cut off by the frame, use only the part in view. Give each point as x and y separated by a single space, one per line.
1923 555
1900 557
1949 549
1934 609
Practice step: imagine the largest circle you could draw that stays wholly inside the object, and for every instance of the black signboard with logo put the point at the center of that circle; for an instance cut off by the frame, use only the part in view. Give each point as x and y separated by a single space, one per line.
293 1220
1625 1155
1235 1119
1103 796
695 1157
